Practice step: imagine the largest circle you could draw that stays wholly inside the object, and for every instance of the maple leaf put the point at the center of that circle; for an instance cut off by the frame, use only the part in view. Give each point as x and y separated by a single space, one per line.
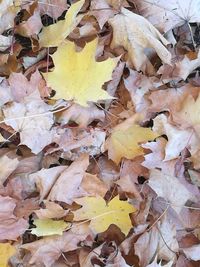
7 250
48 249
54 34
47 227
35 131
170 188
165 15
125 138
102 215
77 76
135 33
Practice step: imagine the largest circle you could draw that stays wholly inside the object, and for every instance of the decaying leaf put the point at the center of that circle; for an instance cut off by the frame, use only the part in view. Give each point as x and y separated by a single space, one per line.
70 64
102 215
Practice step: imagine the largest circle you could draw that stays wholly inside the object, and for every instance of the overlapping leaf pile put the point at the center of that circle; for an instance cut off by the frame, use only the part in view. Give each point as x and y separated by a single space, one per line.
100 133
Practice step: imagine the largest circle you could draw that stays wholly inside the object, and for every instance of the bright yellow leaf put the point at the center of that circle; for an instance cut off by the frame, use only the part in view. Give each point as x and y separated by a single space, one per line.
46 227
54 34
6 251
77 76
102 215
125 138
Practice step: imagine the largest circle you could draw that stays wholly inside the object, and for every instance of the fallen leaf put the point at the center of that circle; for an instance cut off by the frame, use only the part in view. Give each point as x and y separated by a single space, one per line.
81 115
80 79
45 179
54 35
47 227
155 264
102 215
65 188
125 138
169 188
7 167
135 33
193 252
167 15
178 139
7 250
47 250
35 129
53 9
52 210
93 185
10 226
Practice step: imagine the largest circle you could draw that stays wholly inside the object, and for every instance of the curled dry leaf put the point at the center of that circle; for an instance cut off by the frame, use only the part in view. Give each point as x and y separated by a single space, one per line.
52 210
135 34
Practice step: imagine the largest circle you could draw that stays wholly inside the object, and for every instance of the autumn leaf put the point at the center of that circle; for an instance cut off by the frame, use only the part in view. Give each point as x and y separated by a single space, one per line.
102 215
7 250
165 15
47 227
54 34
125 138
135 33
77 76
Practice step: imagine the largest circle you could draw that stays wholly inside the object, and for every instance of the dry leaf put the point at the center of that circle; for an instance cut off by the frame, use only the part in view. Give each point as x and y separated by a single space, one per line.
7 166
193 252
65 188
77 76
165 15
169 188
52 210
135 34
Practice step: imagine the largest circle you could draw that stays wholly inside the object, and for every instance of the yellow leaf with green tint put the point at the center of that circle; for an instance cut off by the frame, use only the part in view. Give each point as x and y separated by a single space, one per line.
46 227
54 34
6 251
102 215
77 76
125 141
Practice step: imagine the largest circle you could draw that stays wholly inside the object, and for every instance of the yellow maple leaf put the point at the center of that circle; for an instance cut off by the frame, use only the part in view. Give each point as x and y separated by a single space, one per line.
47 227
102 215
77 76
125 138
54 34
7 250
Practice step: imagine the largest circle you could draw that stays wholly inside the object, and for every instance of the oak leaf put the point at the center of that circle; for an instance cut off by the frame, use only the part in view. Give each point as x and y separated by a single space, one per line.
135 33
54 34
47 227
102 215
77 76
